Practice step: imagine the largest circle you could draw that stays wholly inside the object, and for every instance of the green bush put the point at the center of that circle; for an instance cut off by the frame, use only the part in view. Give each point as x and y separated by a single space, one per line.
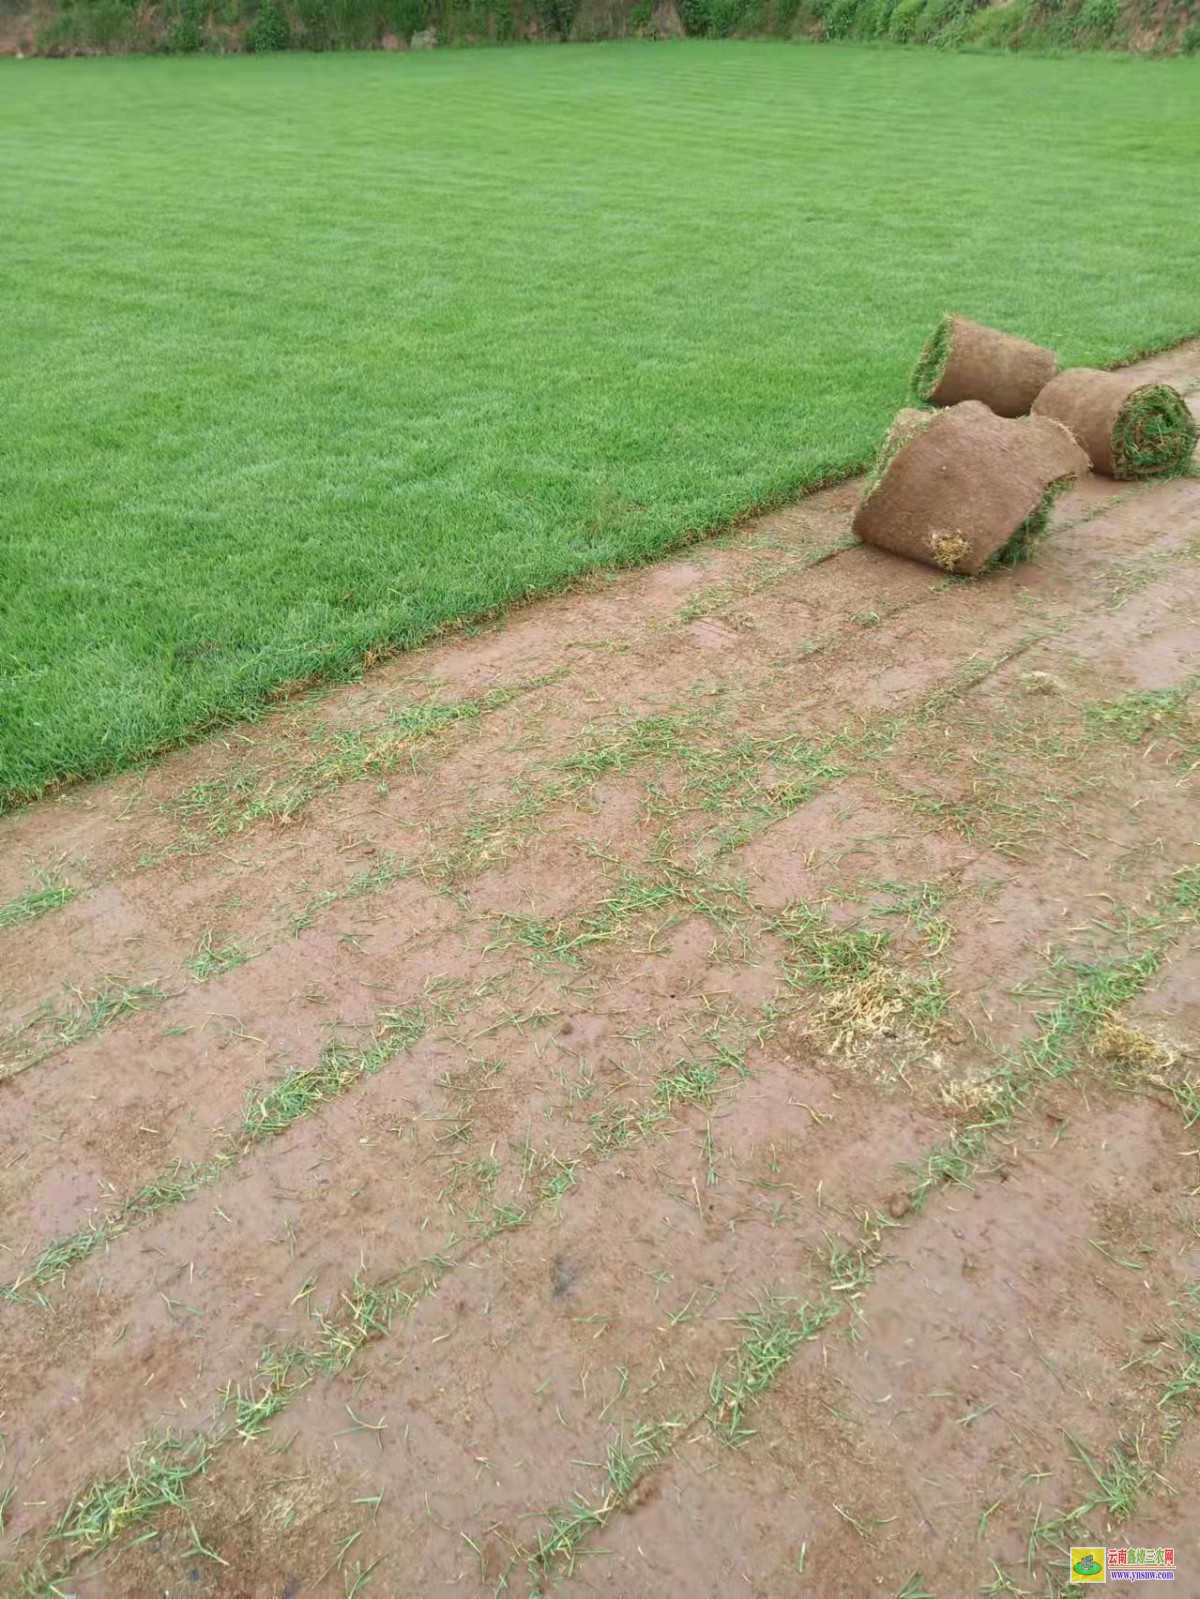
406 17
556 16
1100 16
187 35
903 24
106 28
181 26
270 29
840 18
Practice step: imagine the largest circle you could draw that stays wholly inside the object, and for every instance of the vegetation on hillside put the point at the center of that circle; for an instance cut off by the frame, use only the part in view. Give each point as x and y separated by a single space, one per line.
218 26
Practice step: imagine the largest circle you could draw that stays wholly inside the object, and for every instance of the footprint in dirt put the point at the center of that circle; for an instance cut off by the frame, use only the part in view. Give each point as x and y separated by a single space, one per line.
564 1274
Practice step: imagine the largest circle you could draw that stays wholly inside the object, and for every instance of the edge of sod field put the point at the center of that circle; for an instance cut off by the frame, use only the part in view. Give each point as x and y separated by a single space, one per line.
14 797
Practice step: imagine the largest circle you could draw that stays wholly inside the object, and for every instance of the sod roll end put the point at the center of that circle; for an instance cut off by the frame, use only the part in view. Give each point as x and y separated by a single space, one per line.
1129 428
965 490
964 360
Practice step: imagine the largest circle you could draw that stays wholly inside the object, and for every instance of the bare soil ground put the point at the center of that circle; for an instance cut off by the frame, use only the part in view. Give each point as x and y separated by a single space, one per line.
692 1089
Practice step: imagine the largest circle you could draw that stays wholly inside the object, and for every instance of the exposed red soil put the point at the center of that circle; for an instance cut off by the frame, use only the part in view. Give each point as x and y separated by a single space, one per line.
723 892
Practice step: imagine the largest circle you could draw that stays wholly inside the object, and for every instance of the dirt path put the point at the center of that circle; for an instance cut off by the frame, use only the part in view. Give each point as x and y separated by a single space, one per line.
692 1089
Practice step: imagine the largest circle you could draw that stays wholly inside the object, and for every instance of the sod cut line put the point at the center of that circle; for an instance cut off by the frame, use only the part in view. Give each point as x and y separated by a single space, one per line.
358 755
856 984
1066 1033
371 1307
774 1332
779 1328
45 1032
1123 1477
267 1114
102 1511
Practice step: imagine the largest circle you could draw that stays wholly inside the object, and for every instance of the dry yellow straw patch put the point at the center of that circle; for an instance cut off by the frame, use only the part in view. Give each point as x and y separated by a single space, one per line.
1119 1043
948 549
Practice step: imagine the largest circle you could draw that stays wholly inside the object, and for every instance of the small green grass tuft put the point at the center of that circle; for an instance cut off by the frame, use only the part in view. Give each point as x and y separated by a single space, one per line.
210 960
1120 1480
50 894
626 1462
30 1042
155 1478
1185 892
774 1331
1134 716
340 1065
1094 994
862 991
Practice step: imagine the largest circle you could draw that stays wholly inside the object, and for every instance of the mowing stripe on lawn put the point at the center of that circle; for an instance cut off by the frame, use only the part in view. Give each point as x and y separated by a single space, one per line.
511 377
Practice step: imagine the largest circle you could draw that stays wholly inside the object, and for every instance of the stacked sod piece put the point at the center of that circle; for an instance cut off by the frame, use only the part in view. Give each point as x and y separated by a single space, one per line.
1129 429
964 489
965 361
970 486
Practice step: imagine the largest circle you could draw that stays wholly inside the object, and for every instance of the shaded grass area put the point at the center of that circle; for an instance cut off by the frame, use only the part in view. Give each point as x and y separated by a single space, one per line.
309 384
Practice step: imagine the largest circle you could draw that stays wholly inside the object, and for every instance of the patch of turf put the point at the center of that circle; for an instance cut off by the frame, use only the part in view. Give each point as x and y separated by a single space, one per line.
49 895
1031 532
931 363
298 386
1154 434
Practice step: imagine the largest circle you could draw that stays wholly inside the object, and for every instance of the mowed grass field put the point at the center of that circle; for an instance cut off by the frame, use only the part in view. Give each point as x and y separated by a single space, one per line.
302 357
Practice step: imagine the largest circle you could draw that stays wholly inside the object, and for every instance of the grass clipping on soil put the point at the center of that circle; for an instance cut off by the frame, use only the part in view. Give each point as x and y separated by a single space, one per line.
965 490
964 360
1129 429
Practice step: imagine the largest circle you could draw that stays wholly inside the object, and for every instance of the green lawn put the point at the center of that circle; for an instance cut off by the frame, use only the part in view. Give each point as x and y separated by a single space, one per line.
302 354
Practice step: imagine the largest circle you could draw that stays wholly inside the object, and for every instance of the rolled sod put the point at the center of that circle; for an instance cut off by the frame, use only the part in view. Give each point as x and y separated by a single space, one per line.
966 361
966 490
1130 429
